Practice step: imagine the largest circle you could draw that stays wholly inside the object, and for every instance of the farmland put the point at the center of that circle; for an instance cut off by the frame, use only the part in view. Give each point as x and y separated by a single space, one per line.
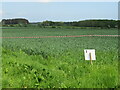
58 62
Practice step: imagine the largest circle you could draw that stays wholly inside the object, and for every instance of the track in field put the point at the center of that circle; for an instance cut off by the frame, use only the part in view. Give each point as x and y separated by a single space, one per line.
67 36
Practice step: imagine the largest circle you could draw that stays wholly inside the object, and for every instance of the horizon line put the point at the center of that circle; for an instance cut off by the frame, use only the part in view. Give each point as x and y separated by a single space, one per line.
60 20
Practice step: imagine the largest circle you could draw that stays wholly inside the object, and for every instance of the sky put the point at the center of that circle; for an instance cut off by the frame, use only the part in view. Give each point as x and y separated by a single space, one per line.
60 0
59 11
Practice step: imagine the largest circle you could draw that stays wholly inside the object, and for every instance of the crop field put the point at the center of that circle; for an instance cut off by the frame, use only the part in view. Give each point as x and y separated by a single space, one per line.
58 62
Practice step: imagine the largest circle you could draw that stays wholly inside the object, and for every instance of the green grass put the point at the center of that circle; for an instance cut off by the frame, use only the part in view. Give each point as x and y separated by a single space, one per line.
59 62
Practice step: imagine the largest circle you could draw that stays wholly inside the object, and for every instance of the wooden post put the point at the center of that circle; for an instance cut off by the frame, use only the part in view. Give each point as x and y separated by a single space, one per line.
90 59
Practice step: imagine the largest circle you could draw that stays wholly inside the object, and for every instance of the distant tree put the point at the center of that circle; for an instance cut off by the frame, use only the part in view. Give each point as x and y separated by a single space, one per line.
14 21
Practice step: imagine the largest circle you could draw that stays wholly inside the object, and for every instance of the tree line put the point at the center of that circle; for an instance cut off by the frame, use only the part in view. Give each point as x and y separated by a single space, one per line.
85 23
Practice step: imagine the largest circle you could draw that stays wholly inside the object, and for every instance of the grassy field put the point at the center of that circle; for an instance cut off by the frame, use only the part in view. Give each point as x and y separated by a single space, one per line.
58 62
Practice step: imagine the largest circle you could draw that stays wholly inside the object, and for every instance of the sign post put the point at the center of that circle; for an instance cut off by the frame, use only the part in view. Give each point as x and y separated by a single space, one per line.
90 55
90 58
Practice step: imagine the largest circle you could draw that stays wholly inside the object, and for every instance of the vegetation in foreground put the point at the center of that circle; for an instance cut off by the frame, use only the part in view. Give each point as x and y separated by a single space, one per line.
65 71
59 62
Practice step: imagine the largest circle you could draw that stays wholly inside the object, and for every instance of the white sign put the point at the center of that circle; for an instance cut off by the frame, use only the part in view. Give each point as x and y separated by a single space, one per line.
89 54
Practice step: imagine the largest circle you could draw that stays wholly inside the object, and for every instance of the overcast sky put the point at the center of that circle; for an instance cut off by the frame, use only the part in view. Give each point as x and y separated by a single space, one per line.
60 11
